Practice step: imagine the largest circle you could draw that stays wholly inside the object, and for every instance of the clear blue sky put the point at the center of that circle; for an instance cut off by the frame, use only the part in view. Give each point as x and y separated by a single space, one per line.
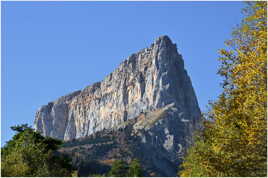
50 49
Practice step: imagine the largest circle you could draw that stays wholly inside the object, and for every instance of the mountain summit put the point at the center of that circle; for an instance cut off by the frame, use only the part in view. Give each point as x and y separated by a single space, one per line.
150 94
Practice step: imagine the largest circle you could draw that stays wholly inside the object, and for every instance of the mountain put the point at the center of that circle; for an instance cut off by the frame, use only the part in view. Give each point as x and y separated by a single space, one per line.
146 108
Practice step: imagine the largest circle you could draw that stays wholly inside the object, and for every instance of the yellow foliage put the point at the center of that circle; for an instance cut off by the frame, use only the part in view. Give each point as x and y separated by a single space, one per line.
237 135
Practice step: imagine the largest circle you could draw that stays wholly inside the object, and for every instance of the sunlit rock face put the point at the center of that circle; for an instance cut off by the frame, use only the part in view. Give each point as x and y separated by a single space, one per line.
151 84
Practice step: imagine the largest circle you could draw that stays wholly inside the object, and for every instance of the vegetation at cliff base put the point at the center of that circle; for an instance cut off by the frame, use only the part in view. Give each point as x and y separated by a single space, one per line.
119 169
122 169
233 141
135 169
30 154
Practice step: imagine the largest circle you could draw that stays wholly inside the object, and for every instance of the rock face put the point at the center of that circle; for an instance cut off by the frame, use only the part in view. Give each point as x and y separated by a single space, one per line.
151 85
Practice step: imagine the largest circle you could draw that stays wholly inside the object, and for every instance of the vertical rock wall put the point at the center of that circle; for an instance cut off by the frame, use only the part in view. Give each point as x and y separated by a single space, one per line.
147 81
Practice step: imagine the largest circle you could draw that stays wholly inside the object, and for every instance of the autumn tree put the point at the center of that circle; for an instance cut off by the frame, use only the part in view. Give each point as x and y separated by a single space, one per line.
233 140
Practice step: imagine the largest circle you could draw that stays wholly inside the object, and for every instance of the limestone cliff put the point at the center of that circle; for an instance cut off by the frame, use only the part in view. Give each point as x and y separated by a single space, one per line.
151 85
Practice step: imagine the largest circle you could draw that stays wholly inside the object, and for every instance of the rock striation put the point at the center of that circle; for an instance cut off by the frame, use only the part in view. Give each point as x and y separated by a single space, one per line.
151 87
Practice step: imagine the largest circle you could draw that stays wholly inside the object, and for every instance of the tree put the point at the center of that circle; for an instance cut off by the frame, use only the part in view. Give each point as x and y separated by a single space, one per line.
119 169
135 169
30 154
233 140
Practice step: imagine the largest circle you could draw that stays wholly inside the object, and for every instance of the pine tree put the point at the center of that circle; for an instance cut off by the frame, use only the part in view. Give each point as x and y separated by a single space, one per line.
30 154
233 140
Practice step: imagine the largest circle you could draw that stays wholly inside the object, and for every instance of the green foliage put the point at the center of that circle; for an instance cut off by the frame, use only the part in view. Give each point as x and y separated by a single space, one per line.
122 169
119 169
135 169
30 154
234 141
75 174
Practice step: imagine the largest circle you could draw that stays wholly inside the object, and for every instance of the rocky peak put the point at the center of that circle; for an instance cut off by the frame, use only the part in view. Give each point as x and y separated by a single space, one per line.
163 41
150 93
145 82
